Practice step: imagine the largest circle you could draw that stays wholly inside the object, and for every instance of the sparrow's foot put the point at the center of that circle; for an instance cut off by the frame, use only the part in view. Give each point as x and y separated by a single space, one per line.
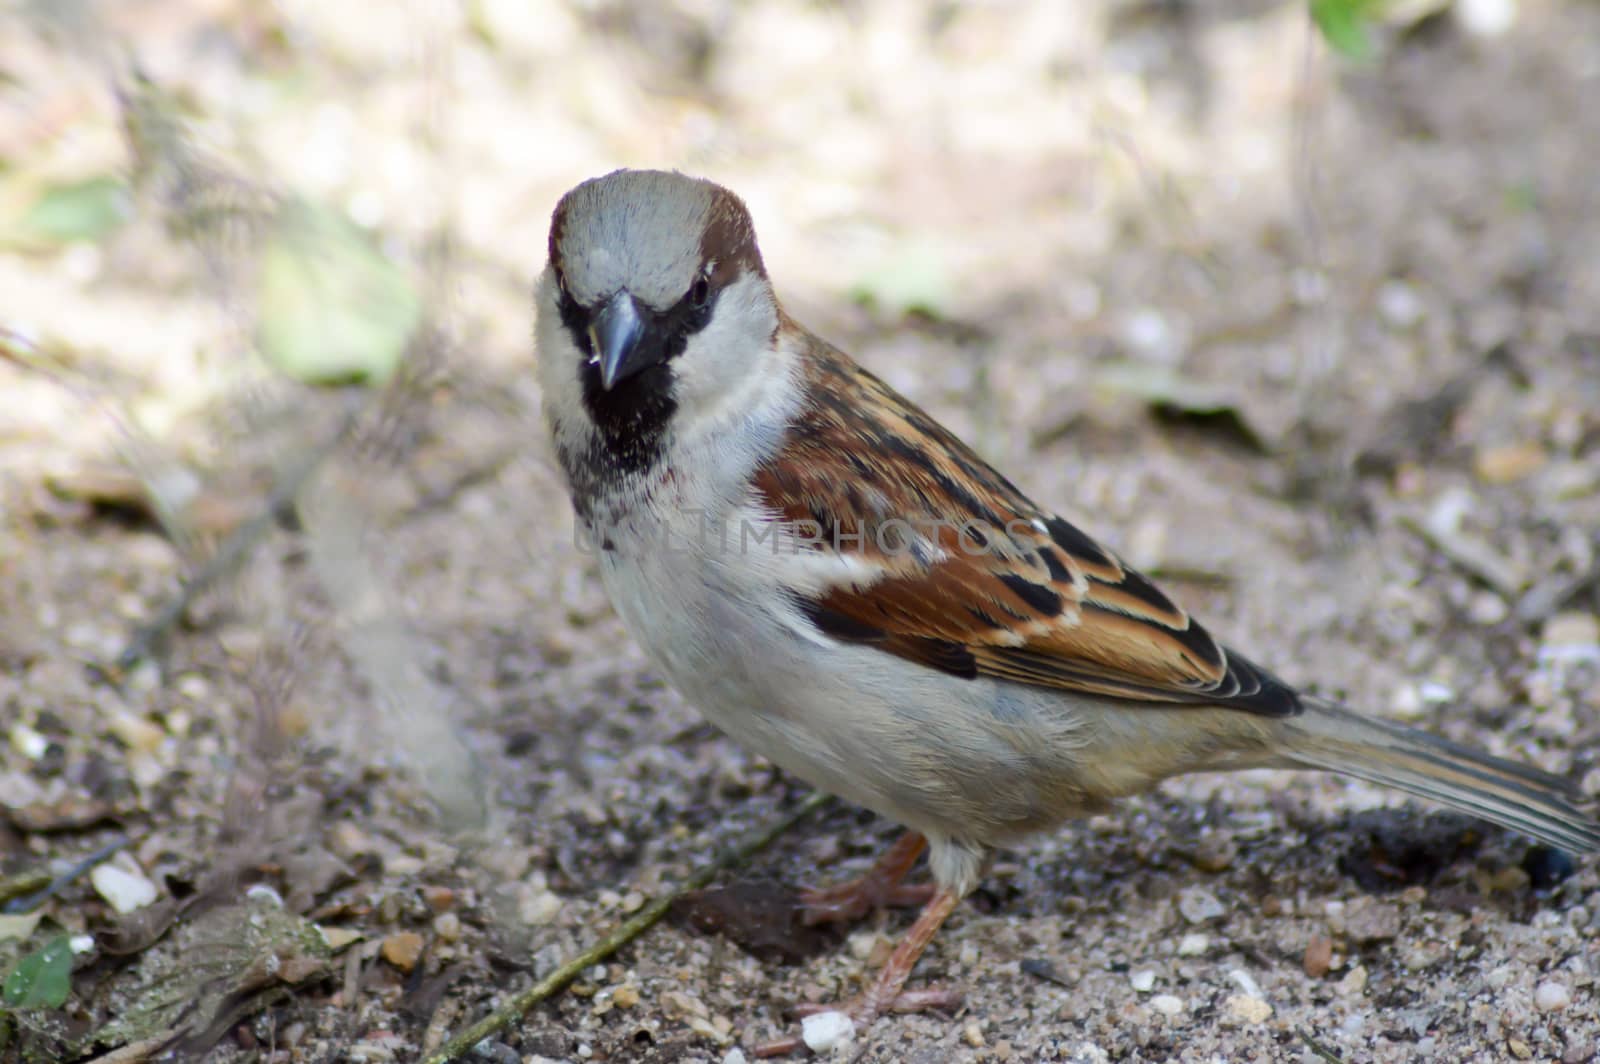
887 993
879 888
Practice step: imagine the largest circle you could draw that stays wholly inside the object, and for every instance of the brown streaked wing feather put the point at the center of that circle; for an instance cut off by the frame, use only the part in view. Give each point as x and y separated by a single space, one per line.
1000 588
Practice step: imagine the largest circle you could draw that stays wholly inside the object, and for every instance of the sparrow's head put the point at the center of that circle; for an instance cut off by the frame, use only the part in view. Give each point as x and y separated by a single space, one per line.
655 298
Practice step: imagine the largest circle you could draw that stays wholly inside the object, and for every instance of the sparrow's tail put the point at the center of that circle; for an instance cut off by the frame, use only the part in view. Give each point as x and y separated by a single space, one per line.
1545 807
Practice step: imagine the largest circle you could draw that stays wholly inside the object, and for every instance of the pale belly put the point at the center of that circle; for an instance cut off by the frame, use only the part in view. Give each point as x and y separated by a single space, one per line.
964 759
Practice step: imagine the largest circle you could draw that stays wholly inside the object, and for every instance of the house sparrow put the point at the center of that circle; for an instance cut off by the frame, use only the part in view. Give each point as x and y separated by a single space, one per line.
845 587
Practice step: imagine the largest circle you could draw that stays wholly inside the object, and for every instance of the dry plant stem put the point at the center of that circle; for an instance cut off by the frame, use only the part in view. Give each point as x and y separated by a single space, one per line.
26 903
1322 1051
1471 555
511 1011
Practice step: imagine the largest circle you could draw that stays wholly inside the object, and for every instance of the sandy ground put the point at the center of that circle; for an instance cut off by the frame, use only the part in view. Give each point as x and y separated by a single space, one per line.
1316 342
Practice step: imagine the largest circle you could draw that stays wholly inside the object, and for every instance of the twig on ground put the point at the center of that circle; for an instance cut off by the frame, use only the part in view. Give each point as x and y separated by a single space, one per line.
1319 1049
629 930
1469 553
26 903
1545 598
135 1052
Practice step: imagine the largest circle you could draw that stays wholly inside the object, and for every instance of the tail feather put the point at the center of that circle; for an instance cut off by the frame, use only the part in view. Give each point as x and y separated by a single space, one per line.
1524 799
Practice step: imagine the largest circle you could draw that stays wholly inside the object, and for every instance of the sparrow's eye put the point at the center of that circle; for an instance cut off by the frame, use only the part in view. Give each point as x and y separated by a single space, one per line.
700 292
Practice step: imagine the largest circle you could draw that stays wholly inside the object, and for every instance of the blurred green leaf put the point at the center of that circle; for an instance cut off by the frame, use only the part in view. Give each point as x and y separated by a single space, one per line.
1522 198
42 979
79 210
1346 24
331 308
911 278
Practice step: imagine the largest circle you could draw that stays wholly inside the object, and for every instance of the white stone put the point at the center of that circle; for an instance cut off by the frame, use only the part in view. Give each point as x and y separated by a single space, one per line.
1143 980
1399 304
1486 18
125 891
1166 1004
1552 997
734 1056
824 1030
27 742
1245 981
1193 945
265 894
1198 905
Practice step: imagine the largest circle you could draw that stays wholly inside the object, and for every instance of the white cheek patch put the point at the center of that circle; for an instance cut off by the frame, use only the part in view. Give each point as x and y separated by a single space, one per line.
729 369
557 364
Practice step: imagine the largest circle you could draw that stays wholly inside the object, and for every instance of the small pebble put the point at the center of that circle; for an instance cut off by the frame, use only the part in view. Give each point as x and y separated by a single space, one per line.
1552 997
862 943
124 891
402 949
1166 1004
1143 980
265 895
1245 981
1193 945
973 1035
734 1056
1570 638
1249 1009
1354 982
1215 853
27 742
538 908
626 996
1580 1052
1399 304
135 732
447 926
677 1005
1509 463
1486 608
824 1030
338 938
1199 906
1319 956
1435 693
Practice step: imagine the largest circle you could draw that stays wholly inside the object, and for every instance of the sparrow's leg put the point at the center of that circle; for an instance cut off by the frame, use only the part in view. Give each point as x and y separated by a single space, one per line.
879 888
888 993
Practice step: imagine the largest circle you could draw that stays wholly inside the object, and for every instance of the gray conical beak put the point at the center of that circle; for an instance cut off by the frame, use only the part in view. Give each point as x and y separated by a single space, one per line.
616 331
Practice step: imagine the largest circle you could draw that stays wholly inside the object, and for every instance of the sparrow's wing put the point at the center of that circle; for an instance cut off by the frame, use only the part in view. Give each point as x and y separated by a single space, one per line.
944 562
